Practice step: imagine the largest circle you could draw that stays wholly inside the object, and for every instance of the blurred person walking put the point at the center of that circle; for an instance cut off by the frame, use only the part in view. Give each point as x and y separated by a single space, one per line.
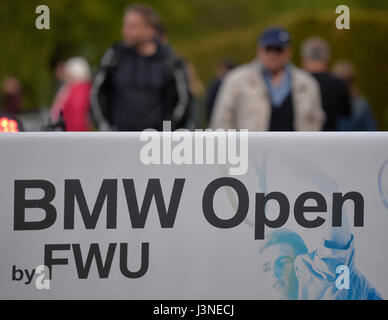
71 106
315 54
212 91
361 118
141 81
269 93
12 95
197 90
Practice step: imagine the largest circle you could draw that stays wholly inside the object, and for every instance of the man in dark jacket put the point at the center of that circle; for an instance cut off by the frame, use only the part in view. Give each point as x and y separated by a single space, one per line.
315 54
140 82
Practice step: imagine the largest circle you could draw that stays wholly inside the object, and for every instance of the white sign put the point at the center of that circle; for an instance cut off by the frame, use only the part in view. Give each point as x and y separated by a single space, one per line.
82 217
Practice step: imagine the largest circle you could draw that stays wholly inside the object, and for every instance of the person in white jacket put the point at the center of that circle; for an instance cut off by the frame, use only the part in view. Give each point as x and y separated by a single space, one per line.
269 94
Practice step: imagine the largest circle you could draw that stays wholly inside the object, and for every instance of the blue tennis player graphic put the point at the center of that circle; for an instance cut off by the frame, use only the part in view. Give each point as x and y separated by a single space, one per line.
295 273
290 270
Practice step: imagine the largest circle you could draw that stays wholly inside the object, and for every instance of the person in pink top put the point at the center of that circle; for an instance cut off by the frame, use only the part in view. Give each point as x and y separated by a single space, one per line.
72 102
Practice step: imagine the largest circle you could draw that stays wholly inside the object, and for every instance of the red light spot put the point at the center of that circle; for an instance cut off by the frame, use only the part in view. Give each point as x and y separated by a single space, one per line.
13 124
8 125
4 122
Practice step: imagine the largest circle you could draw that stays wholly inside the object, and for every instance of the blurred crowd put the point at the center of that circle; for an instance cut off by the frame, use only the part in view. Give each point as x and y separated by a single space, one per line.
142 81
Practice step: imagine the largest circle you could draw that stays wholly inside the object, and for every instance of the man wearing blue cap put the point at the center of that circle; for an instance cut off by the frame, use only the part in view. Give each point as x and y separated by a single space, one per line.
269 94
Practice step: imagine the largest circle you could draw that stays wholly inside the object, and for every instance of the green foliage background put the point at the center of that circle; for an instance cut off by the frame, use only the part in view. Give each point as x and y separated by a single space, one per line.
202 31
